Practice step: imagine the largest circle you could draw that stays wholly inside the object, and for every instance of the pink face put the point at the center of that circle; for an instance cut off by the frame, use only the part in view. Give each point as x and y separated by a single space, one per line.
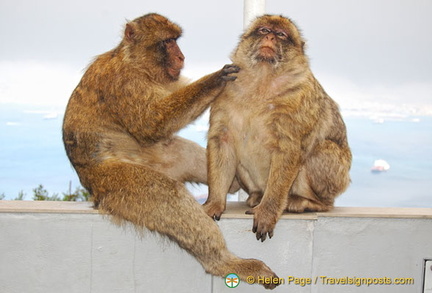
270 37
175 58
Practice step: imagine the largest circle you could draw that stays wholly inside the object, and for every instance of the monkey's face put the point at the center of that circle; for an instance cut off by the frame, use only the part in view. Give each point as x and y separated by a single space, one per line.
152 43
269 44
270 39
173 59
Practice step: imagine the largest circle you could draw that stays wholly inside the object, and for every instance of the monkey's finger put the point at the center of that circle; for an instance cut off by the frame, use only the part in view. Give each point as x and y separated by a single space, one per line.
258 232
250 212
262 231
270 234
254 228
228 78
230 68
261 236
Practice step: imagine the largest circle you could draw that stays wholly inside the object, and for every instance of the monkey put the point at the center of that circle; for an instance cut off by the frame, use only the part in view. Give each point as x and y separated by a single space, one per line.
119 132
276 131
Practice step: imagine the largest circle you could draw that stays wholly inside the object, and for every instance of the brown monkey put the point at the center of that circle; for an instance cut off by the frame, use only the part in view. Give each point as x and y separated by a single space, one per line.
276 130
119 131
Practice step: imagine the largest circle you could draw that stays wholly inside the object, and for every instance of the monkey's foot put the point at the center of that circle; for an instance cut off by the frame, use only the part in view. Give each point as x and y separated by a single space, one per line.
298 204
252 271
214 210
254 199
264 222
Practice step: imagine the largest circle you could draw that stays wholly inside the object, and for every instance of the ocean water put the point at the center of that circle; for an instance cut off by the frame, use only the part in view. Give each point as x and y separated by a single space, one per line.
32 153
407 146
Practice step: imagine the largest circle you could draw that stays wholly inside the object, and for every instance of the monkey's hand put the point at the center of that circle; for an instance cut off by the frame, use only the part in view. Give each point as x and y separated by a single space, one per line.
264 222
214 209
227 70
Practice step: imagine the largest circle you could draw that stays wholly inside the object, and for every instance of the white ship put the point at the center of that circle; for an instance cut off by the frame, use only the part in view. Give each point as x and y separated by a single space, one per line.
380 166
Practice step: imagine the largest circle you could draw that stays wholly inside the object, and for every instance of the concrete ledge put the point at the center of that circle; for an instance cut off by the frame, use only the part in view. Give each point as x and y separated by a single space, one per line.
48 247
235 210
63 207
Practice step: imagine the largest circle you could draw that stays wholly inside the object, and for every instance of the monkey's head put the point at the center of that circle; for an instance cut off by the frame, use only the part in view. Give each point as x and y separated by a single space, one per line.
270 39
151 43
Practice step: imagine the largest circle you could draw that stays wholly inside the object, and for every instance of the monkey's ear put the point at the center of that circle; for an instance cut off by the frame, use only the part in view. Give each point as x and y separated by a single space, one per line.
129 32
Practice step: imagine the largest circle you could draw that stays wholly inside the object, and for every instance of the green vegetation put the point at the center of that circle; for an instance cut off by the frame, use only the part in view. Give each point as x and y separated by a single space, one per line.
20 196
40 193
80 194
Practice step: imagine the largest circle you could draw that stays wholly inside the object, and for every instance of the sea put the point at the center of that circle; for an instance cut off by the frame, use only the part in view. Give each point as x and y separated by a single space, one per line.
32 153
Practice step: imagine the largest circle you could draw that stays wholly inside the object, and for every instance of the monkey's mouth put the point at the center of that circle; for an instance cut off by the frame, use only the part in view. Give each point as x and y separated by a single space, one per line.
267 54
267 50
267 47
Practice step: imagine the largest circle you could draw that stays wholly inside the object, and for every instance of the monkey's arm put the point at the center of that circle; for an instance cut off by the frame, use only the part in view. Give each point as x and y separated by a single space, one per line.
156 118
221 166
178 109
284 168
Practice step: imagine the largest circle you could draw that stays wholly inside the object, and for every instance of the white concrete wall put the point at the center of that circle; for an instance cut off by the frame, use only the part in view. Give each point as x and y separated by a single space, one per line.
68 247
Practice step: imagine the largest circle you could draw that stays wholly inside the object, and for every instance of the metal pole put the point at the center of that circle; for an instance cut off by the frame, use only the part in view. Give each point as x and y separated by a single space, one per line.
252 9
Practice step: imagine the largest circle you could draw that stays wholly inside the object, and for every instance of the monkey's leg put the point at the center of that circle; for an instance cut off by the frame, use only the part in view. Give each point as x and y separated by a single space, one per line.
151 200
176 157
184 160
180 159
323 177
246 182
284 167
221 169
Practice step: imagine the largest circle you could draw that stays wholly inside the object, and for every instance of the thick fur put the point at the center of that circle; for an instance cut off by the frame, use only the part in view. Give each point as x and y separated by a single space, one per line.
276 130
119 131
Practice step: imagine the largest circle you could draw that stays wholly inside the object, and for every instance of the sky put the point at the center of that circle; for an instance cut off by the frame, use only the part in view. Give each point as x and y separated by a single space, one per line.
363 52
372 55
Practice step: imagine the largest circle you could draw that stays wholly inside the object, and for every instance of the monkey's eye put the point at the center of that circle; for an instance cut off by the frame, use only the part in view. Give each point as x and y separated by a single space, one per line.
264 30
171 40
282 35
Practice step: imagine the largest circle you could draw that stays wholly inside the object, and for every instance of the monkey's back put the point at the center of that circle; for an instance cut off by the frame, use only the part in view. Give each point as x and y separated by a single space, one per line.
91 125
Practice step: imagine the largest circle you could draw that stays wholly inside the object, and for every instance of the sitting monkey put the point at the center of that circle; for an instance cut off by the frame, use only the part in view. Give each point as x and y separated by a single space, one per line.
276 131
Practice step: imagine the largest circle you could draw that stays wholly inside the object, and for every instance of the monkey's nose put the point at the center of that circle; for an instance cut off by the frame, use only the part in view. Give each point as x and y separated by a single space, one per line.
270 37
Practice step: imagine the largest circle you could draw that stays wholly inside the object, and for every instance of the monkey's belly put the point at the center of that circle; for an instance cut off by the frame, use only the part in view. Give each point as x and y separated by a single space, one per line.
254 163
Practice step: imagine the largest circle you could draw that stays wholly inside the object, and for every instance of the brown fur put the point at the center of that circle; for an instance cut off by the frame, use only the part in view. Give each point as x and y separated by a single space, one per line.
276 130
119 131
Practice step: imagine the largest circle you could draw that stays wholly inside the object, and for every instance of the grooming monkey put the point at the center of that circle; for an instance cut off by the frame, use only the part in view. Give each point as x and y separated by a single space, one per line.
119 133
276 130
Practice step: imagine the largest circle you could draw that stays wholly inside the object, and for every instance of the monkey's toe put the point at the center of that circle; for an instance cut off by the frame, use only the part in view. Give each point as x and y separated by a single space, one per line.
214 211
254 199
263 224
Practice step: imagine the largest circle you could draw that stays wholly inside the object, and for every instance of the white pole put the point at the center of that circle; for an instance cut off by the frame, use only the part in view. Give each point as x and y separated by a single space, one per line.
252 9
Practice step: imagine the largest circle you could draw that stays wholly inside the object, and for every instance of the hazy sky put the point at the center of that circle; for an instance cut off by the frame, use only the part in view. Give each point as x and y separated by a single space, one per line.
358 48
